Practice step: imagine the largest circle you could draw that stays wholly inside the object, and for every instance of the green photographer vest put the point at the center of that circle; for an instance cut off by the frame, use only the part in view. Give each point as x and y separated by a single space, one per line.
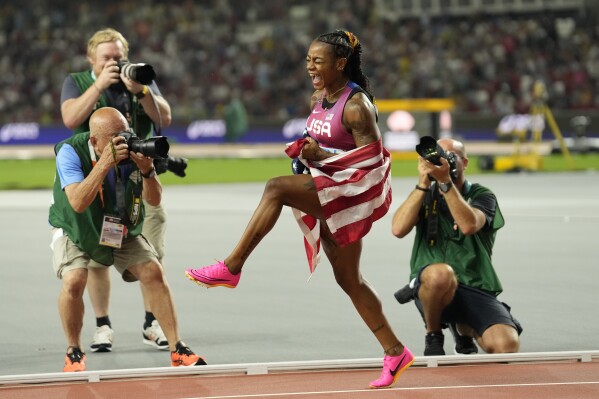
140 122
84 228
468 255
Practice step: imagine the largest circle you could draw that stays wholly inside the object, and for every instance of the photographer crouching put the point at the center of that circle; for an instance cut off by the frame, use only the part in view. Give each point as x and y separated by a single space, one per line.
130 88
97 218
452 279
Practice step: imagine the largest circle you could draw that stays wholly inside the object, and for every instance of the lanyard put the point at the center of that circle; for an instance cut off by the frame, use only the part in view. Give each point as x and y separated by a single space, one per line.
92 154
431 215
128 220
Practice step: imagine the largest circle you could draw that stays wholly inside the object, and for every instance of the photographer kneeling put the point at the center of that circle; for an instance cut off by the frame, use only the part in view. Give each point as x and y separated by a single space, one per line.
97 216
452 278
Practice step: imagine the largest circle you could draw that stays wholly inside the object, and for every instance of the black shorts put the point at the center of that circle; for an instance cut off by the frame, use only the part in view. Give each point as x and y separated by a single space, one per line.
474 307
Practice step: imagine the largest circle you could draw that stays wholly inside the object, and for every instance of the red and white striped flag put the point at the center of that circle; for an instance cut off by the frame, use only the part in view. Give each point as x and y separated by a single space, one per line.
354 189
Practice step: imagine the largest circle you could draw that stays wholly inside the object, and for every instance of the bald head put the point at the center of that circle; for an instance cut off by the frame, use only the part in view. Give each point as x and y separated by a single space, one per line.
454 146
106 122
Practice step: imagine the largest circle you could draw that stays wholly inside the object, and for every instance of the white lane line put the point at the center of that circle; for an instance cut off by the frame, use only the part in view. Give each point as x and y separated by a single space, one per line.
374 391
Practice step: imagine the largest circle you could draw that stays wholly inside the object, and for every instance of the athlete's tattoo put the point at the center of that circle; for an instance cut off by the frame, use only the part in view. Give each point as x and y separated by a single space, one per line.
378 328
253 243
310 185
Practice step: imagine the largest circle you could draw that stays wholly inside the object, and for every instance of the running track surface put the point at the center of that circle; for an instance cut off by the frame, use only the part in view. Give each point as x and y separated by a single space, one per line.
546 255
549 380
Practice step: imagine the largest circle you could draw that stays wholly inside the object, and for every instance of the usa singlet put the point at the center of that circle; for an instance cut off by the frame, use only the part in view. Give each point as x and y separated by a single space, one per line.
325 125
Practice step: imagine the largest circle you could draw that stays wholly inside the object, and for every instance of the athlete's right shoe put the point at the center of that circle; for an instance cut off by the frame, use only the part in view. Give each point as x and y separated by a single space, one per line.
216 275
393 366
74 361
183 356
103 337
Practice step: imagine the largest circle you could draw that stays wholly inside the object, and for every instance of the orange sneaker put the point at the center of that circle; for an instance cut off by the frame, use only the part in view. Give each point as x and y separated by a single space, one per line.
74 361
184 356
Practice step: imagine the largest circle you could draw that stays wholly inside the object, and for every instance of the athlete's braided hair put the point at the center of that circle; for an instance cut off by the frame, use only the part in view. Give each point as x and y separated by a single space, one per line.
346 45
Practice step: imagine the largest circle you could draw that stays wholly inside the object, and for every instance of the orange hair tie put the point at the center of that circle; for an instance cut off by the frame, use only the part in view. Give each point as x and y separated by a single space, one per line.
353 40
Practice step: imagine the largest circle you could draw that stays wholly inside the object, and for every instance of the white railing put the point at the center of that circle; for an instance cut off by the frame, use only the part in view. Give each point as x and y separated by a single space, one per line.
266 368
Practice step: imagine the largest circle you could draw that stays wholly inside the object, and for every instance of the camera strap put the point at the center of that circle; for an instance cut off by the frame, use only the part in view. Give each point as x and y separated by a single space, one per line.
431 214
156 127
126 219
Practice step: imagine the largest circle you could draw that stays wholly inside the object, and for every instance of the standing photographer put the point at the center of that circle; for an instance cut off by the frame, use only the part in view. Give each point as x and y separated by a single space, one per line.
97 217
452 278
106 85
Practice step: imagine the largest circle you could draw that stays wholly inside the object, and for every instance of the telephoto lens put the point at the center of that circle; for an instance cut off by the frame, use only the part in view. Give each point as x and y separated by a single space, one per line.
430 150
153 147
140 73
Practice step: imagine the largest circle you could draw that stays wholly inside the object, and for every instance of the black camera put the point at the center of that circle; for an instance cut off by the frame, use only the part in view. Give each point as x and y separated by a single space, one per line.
405 294
140 73
177 165
432 152
153 147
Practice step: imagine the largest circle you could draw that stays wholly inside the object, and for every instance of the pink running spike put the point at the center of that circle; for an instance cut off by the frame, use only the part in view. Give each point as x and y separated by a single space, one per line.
216 275
393 366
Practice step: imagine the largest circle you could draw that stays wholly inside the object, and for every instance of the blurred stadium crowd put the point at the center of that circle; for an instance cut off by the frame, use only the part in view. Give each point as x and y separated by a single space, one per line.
205 51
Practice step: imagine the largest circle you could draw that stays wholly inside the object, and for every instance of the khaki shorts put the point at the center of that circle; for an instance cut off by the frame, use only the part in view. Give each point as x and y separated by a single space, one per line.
154 228
67 256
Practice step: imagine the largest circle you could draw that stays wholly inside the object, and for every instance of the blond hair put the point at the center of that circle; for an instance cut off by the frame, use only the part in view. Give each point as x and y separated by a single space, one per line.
107 35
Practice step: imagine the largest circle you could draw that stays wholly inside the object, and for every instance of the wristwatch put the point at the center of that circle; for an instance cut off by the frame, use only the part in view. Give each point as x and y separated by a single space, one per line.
444 187
150 174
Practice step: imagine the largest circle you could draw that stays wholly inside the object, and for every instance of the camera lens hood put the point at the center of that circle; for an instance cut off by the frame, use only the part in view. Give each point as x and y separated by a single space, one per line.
430 150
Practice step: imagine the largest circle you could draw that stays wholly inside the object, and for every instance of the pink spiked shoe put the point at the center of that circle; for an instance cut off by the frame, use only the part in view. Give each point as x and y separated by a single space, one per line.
216 275
393 366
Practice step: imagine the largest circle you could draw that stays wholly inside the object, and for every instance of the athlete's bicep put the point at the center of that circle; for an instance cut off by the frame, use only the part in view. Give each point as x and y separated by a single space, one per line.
359 117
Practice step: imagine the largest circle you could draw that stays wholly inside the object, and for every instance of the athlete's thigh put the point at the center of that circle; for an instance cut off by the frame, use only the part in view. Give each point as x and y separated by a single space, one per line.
344 260
297 191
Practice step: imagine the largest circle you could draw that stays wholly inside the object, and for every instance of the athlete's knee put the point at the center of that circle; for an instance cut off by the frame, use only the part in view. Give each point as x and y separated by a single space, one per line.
274 185
348 283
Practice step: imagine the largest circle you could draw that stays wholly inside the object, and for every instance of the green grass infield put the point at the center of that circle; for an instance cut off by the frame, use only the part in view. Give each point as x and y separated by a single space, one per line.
39 173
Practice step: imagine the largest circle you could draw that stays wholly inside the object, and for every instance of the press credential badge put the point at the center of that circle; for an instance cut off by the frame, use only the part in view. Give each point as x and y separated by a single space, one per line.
113 231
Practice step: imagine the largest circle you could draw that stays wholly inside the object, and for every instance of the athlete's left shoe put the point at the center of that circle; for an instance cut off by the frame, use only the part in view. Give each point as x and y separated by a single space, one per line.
216 275
393 366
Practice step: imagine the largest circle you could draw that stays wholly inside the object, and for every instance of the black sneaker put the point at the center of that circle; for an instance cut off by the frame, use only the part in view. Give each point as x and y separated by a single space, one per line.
463 345
433 344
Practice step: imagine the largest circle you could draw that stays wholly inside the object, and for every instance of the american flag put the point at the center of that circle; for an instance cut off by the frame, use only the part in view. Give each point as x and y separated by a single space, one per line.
354 189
